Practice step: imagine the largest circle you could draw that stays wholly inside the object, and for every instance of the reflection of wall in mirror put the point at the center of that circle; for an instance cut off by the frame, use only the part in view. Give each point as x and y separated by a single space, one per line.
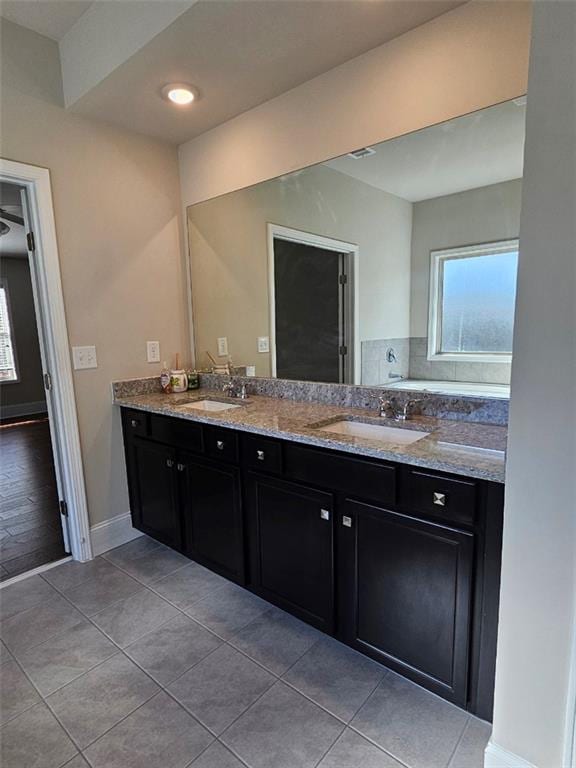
229 257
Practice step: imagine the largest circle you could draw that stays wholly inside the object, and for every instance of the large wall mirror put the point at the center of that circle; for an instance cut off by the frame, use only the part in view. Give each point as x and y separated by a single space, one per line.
392 266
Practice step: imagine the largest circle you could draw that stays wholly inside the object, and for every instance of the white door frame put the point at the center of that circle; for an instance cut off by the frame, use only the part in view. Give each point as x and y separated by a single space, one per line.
54 345
329 244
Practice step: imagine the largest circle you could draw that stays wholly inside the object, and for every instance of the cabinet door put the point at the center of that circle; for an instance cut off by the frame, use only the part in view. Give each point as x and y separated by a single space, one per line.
212 512
291 548
406 594
153 495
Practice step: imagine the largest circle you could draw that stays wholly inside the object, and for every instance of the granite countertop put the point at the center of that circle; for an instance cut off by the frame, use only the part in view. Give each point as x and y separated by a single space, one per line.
462 448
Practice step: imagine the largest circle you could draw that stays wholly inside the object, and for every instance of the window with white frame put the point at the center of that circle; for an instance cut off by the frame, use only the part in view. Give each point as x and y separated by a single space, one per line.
8 371
472 298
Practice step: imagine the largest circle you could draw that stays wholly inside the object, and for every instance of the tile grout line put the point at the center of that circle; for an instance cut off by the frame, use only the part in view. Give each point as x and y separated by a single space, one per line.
458 741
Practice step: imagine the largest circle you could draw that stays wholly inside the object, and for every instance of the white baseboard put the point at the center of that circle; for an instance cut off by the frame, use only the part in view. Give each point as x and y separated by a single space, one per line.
22 409
498 757
112 533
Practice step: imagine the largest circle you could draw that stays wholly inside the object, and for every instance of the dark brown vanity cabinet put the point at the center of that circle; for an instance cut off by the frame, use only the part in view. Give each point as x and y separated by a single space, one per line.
180 498
153 493
407 594
292 548
212 515
400 562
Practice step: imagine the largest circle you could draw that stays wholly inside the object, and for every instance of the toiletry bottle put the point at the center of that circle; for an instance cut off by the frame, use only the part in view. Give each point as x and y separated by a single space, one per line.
165 380
193 378
178 378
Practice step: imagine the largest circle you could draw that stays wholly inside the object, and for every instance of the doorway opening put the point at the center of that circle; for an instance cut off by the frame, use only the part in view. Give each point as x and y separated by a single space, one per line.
313 307
43 514
31 526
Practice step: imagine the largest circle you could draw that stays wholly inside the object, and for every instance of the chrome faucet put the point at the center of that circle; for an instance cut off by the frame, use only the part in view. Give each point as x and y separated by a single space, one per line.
230 388
233 388
388 409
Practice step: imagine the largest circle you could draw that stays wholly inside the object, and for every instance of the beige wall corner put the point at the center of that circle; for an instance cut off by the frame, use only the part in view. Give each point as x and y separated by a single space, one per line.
535 675
117 205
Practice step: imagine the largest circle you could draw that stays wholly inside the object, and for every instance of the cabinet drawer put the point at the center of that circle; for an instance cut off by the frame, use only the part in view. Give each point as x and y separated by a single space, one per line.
365 479
440 496
177 432
262 454
135 423
221 444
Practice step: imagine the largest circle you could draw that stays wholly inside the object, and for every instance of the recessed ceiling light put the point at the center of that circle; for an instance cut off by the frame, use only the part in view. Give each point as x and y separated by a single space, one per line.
179 93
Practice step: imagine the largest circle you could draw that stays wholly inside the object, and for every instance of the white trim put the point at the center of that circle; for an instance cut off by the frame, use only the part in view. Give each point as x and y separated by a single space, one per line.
498 757
112 533
569 750
22 409
34 571
437 259
329 244
54 348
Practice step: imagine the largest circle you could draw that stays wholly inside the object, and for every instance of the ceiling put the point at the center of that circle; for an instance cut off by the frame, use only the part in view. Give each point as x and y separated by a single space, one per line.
52 18
241 53
485 147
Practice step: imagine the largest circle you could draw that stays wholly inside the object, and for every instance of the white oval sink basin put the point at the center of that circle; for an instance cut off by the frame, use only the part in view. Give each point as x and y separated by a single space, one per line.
380 432
209 405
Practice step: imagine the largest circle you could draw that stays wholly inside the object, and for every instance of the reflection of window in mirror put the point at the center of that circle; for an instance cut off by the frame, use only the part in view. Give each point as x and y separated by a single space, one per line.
472 298
8 370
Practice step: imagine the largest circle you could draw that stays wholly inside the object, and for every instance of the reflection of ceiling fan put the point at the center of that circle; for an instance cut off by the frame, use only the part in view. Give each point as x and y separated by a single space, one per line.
11 213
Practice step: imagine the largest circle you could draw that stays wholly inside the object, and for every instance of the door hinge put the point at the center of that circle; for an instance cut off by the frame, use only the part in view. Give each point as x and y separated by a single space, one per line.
342 350
63 508
31 241
47 382
343 279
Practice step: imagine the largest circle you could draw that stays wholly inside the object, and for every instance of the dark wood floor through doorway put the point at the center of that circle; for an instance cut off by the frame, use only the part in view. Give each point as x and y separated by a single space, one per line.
30 531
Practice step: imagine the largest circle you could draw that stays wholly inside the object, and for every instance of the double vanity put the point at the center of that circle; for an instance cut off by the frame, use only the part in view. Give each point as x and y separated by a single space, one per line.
384 534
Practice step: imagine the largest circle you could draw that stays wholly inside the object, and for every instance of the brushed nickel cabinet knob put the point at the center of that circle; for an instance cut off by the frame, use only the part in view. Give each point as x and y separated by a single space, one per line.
439 499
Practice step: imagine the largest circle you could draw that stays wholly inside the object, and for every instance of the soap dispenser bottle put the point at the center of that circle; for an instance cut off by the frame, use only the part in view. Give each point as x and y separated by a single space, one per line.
165 379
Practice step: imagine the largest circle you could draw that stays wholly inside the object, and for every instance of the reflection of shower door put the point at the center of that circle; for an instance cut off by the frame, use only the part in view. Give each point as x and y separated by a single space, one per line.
311 312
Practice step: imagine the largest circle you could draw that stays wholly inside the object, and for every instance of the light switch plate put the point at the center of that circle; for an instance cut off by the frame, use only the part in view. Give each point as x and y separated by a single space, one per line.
222 346
84 357
263 344
153 351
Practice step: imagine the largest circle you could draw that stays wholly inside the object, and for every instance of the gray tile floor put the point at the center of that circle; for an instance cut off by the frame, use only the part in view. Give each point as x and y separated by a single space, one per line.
142 659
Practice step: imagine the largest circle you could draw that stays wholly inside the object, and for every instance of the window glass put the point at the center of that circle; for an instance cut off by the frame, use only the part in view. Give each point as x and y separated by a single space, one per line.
477 295
7 356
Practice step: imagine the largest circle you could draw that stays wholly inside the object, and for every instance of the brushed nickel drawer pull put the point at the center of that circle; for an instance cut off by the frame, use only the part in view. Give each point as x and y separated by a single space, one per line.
220 445
260 455
181 467
439 499
325 514
169 463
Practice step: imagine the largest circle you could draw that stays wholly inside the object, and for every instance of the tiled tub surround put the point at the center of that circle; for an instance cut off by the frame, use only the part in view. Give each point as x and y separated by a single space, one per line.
422 368
376 368
412 362
470 449
142 659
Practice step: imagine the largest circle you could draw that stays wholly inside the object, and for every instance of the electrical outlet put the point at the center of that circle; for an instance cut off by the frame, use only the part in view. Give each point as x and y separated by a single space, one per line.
222 346
84 357
153 351
263 344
